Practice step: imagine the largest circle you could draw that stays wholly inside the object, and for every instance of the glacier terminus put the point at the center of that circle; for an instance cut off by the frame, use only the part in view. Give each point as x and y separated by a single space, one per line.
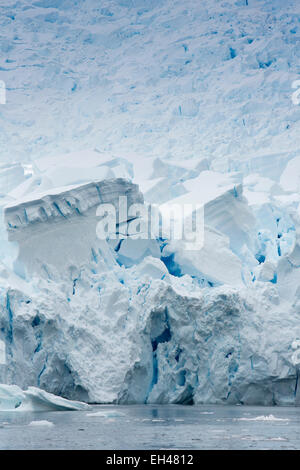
159 103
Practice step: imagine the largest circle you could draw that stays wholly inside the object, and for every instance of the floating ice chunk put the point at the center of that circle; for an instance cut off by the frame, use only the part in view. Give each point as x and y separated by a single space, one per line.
290 178
34 399
81 167
262 418
11 175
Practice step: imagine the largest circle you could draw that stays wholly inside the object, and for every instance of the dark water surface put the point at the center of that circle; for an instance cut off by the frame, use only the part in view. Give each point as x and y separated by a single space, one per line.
153 427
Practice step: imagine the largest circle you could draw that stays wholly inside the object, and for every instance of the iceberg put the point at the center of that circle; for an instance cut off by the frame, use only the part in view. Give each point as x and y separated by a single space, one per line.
175 110
130 320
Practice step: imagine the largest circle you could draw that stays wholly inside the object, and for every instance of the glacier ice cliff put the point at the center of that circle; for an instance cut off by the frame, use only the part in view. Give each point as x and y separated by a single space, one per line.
12 398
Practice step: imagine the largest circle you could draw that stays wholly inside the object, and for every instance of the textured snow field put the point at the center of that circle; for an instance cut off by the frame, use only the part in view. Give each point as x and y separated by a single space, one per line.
154 427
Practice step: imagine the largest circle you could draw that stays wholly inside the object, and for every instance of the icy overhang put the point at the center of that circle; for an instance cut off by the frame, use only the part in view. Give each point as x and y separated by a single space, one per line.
69 203
57 228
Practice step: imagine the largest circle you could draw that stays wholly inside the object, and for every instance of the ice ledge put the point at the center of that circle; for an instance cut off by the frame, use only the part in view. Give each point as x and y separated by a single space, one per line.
69 202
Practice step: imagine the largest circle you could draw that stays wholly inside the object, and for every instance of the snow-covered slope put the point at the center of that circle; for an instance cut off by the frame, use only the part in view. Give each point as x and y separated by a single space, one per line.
164 103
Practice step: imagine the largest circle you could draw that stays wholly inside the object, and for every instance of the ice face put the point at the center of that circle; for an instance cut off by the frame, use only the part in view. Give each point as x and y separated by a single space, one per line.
58 227
145 339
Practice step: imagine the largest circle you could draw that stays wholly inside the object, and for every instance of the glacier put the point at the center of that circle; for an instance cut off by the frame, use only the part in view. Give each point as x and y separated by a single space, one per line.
182 104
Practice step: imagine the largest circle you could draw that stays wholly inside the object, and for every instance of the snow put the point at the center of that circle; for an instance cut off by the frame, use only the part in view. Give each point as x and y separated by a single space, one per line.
10 175
12 398
214 262
51 227
167 104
